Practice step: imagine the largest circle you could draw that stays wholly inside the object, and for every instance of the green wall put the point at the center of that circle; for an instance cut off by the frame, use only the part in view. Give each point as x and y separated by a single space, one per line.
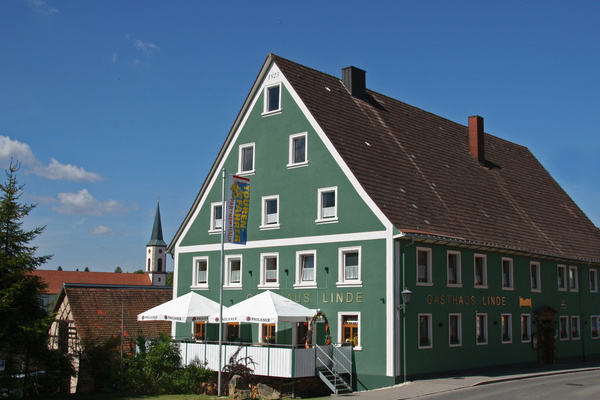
440 300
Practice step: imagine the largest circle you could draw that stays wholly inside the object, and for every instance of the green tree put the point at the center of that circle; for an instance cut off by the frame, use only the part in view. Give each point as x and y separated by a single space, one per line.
25 321
118 270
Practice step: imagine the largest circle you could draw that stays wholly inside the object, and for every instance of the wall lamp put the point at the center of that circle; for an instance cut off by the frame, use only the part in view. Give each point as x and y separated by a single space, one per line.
406 295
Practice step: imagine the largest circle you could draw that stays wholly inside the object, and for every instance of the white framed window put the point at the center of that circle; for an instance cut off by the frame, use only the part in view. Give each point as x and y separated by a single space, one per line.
535 276
270 212
349 329
575 328
593 280
561 271
306 265
200 273
268 333
454 269
480 271
481 328
424 266
233 271
506 326
595 326
349 266
563 325
216 217
269 271
298 150
246 159
272 99
327 205
507 274
573 279
525 328
455 330
425 331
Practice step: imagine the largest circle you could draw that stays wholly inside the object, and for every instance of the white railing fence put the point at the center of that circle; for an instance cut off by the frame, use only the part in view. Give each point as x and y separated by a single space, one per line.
278 361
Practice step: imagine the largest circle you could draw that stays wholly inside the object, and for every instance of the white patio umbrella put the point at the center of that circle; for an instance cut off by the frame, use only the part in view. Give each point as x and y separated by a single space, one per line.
187 308
266 308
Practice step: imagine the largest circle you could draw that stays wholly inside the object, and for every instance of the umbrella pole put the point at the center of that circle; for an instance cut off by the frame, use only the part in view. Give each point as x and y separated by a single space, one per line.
223 219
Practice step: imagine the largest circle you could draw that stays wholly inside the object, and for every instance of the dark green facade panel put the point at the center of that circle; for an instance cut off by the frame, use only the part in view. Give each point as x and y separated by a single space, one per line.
501 308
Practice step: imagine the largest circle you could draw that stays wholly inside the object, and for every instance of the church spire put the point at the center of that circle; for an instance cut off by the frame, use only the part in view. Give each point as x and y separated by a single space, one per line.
157 236
156 253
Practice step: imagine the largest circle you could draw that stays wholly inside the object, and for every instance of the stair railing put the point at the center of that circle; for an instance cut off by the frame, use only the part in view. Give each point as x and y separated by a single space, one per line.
323 359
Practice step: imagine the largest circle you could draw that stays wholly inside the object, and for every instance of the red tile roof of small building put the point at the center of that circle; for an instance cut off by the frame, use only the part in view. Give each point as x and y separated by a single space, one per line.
97 311
55 279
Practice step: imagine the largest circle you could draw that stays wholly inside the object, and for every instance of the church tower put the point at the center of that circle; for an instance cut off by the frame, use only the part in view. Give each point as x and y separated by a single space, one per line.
156 253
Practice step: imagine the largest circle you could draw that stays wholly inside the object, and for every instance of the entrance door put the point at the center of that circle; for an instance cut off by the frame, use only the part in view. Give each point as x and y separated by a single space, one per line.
545 333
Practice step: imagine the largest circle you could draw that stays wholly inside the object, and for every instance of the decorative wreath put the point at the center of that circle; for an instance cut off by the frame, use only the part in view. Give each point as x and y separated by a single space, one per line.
318 315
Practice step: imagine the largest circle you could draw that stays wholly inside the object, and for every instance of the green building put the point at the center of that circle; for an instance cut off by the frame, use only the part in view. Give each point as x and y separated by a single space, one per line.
356 196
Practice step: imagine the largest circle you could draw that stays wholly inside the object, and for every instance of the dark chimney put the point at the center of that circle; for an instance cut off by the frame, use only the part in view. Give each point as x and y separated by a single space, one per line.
476 138
355 82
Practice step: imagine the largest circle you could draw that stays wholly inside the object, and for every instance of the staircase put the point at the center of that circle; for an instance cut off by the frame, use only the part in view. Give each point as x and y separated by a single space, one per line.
334 381
334 368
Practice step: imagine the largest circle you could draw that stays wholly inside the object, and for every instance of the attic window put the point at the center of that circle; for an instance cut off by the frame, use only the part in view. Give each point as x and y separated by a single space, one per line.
272 103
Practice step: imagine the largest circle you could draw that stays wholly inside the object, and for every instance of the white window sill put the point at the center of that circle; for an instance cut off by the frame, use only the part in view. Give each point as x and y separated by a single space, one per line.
455 345
508 288
424 283
214 231
311 285
425 347
455 285
231 287
246 173
269 227
481 286
356 283
536 290
272 112
562 289
332 220
297 165
269 286
199 287
482 343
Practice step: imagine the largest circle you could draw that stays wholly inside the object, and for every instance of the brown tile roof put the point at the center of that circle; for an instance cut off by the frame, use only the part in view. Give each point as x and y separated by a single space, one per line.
55 279
417 168
97 310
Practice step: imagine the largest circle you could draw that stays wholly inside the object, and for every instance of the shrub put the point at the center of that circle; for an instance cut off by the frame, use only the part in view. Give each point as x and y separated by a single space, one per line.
158 370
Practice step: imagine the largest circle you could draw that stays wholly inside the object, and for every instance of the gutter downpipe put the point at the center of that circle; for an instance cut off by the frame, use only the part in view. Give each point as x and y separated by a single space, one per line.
403 251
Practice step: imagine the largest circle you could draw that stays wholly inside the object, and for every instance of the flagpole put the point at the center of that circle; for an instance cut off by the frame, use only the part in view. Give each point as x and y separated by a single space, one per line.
223 219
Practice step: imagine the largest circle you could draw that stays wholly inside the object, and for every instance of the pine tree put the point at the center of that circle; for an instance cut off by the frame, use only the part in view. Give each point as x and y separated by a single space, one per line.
24 326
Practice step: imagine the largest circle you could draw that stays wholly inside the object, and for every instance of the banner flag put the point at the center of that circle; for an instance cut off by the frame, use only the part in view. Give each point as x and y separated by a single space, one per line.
238 205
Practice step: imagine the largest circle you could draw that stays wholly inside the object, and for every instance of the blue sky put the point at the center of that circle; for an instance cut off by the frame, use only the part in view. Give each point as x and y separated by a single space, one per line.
110 105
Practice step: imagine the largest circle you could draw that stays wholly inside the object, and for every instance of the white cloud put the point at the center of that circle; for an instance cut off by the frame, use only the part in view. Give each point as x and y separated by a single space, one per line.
16 150
19 151
83 203
42 7
114 58
56 170
146 47
102 230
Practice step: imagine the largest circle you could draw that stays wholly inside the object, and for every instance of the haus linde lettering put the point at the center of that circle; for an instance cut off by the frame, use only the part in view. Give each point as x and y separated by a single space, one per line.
461 300
331 297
